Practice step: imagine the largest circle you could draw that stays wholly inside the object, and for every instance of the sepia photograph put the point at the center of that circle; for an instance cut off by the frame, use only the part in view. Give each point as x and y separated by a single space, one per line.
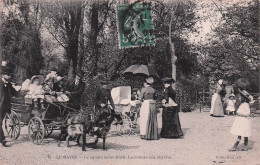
134 82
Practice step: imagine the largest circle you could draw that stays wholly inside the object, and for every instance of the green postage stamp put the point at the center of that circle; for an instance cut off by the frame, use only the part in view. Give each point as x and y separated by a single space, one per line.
134 24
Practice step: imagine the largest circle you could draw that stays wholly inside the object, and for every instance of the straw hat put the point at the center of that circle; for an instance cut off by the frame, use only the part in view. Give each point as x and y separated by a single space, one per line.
33 78
149 80
246 95
232 95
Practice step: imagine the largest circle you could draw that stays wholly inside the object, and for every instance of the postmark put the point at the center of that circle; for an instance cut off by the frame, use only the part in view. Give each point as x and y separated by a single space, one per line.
135 27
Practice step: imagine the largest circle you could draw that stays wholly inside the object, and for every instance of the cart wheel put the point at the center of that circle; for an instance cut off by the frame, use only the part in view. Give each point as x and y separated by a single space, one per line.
127 123
48 130
12 125
36 130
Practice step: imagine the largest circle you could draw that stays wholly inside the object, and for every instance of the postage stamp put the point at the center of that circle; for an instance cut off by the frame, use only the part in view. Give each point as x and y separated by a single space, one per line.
135 27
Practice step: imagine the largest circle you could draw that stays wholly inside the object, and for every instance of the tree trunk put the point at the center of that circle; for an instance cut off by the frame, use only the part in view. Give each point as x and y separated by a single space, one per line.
72 24
71 70
81 40
93 37
172 50
72 52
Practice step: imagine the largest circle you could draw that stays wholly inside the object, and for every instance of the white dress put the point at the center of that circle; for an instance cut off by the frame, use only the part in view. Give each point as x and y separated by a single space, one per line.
231 105
35 91
242 125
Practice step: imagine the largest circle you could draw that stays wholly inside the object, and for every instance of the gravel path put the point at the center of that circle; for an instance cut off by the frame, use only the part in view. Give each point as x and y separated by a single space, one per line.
206 141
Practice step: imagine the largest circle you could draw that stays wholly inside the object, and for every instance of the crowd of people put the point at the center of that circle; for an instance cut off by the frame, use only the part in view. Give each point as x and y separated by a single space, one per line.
236 102
230 102
52 88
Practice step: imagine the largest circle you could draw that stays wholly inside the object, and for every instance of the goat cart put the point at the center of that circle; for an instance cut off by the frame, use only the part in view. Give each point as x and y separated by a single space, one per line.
40 122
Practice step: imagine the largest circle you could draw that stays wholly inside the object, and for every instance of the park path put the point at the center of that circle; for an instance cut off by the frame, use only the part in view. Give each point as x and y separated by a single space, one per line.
206 141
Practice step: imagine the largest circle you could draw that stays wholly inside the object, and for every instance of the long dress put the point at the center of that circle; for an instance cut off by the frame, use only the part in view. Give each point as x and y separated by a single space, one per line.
216 104
148 114
242 124
171 127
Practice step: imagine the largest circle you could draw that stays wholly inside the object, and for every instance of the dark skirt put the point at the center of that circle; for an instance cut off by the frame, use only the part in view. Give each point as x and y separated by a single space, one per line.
152 124
171 127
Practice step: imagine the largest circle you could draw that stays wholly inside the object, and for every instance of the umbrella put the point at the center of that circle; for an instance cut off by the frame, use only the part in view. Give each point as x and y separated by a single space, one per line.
141 69
242 84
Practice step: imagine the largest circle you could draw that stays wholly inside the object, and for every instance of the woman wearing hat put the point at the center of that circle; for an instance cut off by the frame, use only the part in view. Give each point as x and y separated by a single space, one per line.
216 104
242 125
148 113
171 127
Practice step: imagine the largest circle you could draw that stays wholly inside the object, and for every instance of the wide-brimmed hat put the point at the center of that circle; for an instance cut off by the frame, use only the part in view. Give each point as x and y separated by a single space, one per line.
232 95
35 77
149 80
80 73
59 78
168 80
246 95
134 89
221 82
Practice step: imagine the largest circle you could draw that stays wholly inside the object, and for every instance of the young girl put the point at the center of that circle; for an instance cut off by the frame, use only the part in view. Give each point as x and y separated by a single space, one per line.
36 92
231 104
242 125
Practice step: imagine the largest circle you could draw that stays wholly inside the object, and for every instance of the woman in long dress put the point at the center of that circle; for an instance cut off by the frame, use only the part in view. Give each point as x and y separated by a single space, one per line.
216 104
148 113
171 127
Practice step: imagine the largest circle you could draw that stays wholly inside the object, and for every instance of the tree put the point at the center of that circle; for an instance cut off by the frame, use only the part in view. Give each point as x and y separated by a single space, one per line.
63 20
22 39
236 43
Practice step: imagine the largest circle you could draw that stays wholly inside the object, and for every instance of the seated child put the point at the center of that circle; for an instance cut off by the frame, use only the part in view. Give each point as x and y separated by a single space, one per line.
50 95
36 92
51 77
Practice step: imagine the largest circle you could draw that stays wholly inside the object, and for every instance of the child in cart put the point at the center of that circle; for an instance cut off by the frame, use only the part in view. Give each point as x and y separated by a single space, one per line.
36 92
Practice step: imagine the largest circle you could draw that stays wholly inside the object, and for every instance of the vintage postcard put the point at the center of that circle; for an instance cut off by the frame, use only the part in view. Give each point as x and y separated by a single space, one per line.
138 82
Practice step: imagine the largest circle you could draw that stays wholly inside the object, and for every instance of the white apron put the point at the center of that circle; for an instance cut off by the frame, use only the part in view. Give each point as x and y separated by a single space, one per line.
144 115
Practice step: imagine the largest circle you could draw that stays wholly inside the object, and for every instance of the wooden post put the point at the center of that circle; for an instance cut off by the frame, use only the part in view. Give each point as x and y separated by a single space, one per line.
173 57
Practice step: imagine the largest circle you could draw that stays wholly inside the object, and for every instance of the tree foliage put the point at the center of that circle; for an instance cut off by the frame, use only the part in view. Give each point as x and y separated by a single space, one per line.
235 49
22 40
63 20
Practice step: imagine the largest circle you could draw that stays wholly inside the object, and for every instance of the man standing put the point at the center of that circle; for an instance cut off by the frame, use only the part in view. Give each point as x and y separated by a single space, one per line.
103 96
103 100
5 101
74 90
